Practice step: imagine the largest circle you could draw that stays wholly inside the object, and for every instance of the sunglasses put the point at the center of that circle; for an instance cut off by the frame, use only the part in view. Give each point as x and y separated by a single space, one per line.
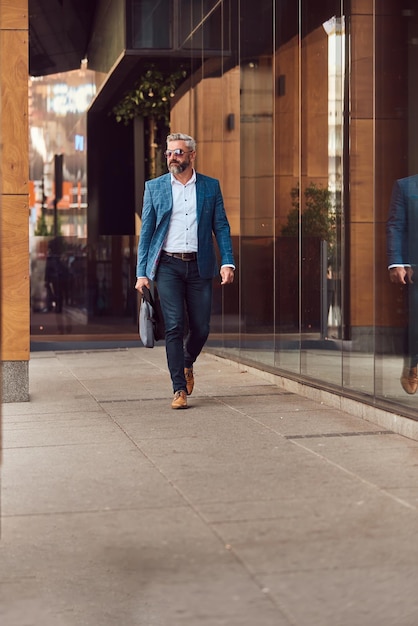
178 152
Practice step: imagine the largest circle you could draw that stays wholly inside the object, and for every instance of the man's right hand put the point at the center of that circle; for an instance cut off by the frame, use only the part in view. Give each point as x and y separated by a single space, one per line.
142 282
401 275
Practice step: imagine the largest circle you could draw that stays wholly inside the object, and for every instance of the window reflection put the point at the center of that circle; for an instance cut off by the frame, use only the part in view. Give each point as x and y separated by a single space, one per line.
202 25
395 177
335 30
79 285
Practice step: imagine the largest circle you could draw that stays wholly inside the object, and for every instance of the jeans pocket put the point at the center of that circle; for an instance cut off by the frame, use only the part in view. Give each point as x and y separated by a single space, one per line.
165 259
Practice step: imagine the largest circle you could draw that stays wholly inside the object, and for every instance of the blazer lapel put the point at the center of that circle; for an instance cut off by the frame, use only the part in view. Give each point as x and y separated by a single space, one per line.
200 196
165 190
165 197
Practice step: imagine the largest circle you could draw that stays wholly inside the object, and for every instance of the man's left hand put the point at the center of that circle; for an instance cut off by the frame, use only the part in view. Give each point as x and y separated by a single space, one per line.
227 275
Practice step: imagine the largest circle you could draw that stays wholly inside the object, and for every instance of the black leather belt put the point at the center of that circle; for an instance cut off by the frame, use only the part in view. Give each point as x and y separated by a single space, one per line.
184 256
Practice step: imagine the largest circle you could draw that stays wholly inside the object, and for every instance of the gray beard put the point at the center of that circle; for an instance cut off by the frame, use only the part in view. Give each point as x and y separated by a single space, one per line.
177 168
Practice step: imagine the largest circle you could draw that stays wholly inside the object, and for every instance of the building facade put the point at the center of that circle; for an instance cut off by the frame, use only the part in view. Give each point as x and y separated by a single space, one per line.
305 112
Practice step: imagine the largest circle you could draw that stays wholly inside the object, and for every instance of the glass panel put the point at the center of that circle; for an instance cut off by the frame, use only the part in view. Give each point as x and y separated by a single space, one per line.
58 218
78 286
287 167
204 25
359 310
257 274
396 189
318 192
151 24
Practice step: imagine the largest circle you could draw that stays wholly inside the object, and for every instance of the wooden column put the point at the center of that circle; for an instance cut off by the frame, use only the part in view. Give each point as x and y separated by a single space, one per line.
14 229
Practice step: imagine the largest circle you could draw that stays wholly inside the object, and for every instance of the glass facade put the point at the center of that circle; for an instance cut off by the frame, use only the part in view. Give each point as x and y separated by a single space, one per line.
304 109
151 24
58 200
80 284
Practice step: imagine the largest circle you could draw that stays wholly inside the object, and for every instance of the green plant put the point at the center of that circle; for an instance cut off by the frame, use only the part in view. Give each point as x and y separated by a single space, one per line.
316 219
42 229
150 96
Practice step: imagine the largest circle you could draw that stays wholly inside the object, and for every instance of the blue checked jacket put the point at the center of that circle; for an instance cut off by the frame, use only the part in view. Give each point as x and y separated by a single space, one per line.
211 220
402 223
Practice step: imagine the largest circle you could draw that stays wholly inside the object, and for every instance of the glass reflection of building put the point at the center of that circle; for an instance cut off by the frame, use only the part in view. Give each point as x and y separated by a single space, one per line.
305 112
58 200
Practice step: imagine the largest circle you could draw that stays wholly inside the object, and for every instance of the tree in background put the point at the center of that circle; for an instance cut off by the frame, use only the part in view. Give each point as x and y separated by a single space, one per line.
317 218
42 229
150 98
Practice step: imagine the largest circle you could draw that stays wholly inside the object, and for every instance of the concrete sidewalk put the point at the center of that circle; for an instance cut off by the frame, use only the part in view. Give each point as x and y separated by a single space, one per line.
254 507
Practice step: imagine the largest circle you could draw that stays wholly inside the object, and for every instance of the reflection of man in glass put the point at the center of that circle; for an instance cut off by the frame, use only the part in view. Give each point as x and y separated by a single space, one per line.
56 275
402 252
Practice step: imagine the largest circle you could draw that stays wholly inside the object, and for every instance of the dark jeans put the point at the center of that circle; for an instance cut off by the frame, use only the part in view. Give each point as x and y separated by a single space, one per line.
182 292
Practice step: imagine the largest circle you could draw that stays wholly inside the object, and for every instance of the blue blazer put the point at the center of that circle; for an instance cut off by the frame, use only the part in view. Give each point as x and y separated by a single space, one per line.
402 223
211 220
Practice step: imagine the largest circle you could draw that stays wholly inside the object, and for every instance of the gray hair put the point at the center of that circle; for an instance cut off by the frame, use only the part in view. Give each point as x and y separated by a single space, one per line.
190 142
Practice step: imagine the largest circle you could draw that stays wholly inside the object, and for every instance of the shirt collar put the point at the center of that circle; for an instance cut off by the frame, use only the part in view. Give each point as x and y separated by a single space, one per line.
189 182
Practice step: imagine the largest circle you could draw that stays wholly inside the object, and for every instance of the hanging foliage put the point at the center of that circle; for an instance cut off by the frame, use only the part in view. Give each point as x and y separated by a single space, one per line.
150 96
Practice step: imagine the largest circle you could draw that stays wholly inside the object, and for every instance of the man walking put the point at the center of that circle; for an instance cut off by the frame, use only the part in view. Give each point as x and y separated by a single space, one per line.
182 211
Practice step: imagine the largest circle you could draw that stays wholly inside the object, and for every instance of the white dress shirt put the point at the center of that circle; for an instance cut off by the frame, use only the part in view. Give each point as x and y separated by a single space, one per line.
182 231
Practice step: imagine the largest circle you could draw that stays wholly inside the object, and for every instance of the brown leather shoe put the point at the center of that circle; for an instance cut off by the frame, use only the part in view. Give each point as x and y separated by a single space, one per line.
188 373
409 379
179 400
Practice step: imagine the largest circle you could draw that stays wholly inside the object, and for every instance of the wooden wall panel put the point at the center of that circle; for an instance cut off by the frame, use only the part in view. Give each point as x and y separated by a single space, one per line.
391 139
286 129
257 105
14 15
182 114
14 279
287 110
231 148
257 148
362 66
361 170
361 278
391 65
14 168
211 114
14 102
361 177
362 7
315 104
